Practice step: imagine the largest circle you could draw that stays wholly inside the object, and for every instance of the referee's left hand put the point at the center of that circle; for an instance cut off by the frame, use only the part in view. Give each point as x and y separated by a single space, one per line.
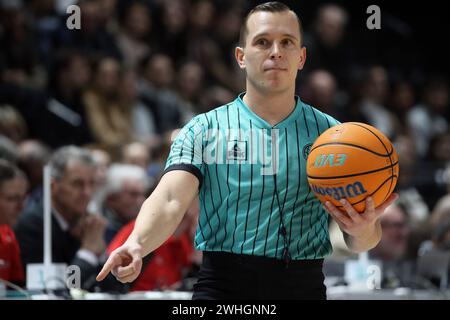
358 224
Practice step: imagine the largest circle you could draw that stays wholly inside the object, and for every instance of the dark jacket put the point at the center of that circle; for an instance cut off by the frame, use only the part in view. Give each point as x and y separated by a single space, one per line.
30 235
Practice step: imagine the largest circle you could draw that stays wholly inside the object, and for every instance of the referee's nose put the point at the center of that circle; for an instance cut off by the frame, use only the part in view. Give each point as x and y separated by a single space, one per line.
275 52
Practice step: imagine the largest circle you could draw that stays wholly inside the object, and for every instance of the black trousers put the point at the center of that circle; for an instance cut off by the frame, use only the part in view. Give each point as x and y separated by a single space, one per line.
227 276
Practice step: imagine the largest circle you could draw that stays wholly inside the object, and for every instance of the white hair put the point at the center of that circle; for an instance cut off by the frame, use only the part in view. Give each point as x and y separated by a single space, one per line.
61 158
118 173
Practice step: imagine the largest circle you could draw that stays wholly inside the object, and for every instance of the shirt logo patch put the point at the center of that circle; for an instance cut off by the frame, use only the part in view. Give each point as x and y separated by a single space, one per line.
237 150
306 150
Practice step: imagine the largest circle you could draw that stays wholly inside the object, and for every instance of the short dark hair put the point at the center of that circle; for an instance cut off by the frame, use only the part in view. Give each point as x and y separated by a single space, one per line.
273 6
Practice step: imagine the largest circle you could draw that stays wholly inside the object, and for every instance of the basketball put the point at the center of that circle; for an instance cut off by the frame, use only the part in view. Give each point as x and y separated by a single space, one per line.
352 160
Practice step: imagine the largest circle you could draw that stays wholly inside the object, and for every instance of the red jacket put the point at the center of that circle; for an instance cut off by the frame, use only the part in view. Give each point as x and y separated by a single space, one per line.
166 265
10 263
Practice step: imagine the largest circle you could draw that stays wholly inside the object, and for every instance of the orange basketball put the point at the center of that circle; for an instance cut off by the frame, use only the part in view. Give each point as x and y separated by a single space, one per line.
352 160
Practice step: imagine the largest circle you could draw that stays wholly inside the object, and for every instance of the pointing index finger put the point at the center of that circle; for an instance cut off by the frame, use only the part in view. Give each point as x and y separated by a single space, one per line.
109 265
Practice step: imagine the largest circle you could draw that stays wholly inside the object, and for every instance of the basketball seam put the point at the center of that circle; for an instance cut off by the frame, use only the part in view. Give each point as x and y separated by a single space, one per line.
371 194
353 174
352 145
392 169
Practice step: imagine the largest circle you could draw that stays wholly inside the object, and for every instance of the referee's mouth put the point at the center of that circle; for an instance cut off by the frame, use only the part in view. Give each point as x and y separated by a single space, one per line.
274 69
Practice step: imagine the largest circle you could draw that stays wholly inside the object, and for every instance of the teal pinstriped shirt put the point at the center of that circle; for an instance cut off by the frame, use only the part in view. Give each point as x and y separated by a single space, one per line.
253 181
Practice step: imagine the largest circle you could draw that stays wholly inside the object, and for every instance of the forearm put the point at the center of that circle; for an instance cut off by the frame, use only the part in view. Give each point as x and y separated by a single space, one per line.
156 222
367 241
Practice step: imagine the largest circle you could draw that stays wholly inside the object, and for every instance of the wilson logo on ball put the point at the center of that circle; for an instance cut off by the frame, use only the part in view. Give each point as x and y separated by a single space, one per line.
351 190
352 160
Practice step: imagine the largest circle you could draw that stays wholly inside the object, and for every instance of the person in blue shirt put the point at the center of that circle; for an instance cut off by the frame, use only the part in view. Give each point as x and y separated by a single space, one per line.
262 231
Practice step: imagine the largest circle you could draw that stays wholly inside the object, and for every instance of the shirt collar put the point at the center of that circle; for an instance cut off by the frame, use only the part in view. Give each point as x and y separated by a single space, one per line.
264 124
64 225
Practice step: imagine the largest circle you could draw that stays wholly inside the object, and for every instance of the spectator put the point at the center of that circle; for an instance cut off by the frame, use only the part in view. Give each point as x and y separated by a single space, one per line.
155 89
17 42
440 212
190 88
409 182
393 243
66 110
173 29
136 153
109 121
441 236
12 124
135 34
33 156
201 17
12 196
102 162
434 261
159 154
374 93
214 96
216 52
13 188
77 237
8 149
321 90
123 194
427 118
142 119
392 249
108 14
58 107
401 101
433 168
327 44
426 233
439 149
45 21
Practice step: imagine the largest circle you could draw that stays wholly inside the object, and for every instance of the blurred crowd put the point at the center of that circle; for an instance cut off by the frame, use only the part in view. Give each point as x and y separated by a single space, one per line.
103 102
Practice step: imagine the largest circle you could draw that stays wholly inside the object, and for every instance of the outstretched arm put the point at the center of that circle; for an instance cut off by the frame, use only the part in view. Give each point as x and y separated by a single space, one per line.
157 220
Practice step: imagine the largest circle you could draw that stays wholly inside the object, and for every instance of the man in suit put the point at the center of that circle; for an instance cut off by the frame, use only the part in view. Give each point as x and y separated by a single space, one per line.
77 237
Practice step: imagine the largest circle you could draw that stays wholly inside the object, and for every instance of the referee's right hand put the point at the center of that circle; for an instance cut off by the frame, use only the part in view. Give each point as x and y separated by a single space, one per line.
125 263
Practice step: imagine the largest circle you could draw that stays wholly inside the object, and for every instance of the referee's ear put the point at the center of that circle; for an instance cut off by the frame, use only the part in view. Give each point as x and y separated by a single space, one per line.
240 57
302 59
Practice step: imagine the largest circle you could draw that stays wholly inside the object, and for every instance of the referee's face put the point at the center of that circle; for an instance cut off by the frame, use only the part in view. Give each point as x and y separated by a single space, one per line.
273 53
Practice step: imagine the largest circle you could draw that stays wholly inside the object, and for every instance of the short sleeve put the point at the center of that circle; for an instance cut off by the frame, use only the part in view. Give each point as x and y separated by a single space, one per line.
187 149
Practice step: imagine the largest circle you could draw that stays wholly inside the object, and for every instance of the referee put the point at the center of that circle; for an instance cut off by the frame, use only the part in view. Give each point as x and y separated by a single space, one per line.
262 231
